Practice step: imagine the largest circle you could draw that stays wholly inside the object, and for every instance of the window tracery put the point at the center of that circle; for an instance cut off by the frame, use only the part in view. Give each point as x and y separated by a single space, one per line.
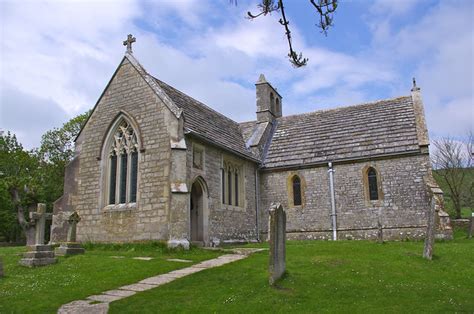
123 165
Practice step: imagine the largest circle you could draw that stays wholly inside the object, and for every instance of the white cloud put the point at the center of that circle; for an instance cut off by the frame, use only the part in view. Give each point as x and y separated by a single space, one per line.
55 49
65 52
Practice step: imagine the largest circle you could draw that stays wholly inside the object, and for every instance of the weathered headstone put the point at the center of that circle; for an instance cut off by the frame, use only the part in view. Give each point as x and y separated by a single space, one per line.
471 227
277 232
71 247
379 227
436 202
39 254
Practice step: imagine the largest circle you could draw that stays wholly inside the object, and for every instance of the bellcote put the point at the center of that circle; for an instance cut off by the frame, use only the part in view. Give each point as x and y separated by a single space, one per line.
269 105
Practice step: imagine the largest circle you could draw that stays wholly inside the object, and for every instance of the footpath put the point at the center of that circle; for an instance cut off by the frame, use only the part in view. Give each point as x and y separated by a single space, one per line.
99 303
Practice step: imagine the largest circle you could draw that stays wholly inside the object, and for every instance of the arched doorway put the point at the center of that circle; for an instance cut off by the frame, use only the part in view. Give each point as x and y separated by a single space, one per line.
198 212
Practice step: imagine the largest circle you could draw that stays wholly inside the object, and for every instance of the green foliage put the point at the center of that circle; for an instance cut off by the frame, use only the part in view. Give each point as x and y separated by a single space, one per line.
36 175
467 193
19 170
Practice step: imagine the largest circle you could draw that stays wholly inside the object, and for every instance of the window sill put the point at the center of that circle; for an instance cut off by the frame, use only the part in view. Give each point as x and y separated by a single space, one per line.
232 207
120 207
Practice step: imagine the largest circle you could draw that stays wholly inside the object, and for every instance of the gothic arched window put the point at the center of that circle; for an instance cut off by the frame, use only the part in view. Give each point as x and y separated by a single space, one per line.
122 167
296 183
372 183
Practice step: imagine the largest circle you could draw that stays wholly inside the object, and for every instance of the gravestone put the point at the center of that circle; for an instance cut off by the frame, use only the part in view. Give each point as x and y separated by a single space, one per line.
436 203
277 232
39 254
71 247
471 227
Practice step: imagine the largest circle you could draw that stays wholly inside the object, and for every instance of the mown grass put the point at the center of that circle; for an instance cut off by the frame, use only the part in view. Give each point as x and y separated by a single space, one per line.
345 276
45 289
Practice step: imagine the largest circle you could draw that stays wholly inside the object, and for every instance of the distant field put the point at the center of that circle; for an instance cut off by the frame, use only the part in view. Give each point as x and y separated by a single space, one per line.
468 182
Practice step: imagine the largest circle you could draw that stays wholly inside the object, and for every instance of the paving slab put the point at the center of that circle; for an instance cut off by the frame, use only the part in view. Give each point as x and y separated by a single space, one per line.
105 298
158 280
120 293
117 256
138 287
179 260
143 258
84 307
185 271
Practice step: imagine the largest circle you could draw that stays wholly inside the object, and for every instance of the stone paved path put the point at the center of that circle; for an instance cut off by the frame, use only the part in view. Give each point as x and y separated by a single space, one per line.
96 304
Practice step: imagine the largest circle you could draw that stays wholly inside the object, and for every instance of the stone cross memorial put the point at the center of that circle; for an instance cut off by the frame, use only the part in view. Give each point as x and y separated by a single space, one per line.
39 254
277 231
71 247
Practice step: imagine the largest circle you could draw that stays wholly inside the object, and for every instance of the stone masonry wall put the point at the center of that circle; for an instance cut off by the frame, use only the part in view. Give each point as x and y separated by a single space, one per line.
149 218
226 223
402 205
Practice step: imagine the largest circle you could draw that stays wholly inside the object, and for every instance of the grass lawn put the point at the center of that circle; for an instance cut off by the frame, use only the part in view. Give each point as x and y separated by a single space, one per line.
323 276
45 289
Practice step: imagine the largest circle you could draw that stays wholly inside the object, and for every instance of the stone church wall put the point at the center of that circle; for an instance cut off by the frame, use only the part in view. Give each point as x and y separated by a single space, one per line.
149 218
402 207
226 223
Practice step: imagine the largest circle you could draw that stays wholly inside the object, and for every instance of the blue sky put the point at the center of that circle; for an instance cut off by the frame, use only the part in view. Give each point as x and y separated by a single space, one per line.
56 57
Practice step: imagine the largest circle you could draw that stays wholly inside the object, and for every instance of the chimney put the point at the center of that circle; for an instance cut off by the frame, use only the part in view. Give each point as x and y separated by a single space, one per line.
268 101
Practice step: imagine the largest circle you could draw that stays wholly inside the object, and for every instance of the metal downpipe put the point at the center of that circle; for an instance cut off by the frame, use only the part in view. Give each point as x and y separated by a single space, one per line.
333 201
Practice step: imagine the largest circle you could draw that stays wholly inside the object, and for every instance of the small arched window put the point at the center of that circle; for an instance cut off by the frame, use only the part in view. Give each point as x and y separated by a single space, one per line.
122 165
296 182
372 181
277 105
272 103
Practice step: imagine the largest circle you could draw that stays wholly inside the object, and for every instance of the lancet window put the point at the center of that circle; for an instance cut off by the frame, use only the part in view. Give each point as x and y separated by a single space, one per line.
123 165
231 179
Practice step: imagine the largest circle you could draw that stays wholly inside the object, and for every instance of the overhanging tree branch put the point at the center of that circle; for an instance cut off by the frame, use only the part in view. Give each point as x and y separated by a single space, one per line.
324 8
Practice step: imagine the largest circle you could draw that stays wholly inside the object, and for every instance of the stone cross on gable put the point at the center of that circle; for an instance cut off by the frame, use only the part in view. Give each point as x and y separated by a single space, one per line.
39 218
73 220
128 42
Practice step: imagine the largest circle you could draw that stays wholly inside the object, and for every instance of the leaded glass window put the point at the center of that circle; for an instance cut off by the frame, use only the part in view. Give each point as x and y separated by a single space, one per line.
229 186
373 189
232 185
123 165
296 191
223 185
236 189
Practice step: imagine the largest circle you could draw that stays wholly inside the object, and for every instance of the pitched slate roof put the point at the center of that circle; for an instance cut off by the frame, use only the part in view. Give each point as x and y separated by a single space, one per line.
378 128
207 123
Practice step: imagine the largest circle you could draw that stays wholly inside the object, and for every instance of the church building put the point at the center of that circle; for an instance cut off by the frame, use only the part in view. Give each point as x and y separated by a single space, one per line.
152 163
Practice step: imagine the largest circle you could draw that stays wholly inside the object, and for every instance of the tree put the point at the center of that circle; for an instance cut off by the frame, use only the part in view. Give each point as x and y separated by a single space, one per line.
30 177
55 152
452 158
324 9
19 182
